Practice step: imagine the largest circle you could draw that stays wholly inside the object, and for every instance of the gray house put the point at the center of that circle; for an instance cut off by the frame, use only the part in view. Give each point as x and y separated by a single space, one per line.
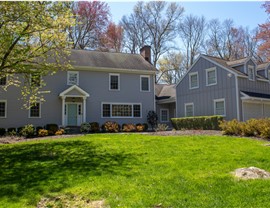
234 89
102 86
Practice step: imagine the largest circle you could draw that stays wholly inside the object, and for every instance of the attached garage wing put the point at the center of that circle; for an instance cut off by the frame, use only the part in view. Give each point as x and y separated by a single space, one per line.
255 105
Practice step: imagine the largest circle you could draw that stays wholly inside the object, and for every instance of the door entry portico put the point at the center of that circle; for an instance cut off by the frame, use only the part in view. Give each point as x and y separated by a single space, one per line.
73 106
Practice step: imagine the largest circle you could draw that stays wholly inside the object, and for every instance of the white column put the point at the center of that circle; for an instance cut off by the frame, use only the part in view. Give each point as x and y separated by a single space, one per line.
63 110
84 109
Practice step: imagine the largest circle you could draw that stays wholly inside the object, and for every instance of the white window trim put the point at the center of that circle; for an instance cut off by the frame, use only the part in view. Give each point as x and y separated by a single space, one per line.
109 103
113 74
4 101
29 112
253 70
144 76
167 112
220 100
191 74
74 72
186 104
209 70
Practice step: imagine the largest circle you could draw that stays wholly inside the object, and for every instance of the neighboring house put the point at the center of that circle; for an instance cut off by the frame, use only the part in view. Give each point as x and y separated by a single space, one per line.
234 89
165 102
103 86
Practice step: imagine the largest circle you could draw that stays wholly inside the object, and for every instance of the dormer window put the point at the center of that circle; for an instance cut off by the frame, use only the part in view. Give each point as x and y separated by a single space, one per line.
251 73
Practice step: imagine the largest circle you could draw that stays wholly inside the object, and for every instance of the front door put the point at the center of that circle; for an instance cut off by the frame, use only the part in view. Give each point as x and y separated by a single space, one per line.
72 115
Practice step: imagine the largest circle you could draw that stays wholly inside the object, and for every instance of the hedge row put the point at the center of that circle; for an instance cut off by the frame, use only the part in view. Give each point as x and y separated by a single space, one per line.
198 122
250 128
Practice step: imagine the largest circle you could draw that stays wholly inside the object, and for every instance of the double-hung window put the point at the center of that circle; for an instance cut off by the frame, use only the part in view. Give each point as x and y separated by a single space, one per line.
189 109
211 76
145 83
114 81
3 108
72 78
122 110
193 80
219 107
34 111
251 73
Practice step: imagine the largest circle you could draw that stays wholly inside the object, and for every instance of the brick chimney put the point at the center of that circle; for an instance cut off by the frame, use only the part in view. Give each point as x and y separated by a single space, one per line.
145 52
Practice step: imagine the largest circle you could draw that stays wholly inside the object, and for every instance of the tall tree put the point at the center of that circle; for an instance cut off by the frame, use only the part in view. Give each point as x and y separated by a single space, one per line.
113 37
30 33
136 33
92 20
192 31
264 35
171 68
160 19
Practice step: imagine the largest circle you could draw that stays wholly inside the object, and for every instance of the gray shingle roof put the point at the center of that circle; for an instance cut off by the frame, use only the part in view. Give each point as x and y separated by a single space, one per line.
238 61
262 66
112 60
165 91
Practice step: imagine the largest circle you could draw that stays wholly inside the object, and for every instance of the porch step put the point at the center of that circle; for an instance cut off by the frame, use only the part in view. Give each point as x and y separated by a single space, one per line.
72 130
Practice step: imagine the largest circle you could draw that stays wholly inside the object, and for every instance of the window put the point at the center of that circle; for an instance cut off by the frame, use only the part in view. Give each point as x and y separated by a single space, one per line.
251 73
189 109
193 80
219 107
73 78
35 110
114 82
3 108
3 81
121 110
211 76
35 80
164 115
145 83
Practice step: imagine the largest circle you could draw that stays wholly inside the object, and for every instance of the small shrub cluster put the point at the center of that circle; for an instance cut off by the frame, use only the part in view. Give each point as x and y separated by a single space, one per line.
111 127
85 128
161 127
197 123
250 128
95 128
129 128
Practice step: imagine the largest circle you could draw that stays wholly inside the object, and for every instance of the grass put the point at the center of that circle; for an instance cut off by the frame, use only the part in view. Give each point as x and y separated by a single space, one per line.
135 171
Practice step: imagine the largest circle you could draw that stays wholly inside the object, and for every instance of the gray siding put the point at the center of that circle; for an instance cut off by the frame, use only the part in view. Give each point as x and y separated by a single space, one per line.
96 84
171 109
204 96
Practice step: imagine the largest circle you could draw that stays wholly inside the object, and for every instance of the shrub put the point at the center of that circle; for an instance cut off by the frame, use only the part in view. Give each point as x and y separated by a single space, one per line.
60 132
95 127
252 127
161 127
2 131
52 128
145 125
152 118
27 131
198 122
139 127
19 129
110 126
232 127
265 129
129 128
43 132
38 128
11 132
85 128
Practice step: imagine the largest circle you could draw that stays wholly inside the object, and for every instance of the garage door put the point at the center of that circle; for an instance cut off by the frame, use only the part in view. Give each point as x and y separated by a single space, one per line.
255 110
252 110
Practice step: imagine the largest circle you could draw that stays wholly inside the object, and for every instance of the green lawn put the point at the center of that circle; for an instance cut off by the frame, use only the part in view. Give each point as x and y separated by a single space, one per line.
135 171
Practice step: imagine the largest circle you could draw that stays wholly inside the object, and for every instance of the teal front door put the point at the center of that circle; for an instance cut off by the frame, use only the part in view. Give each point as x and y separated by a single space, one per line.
72 115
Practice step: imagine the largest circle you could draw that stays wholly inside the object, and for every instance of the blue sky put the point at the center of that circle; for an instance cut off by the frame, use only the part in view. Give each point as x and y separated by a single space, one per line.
245 13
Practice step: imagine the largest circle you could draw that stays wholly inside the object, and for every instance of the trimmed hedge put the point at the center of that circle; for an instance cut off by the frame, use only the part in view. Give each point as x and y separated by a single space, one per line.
197 122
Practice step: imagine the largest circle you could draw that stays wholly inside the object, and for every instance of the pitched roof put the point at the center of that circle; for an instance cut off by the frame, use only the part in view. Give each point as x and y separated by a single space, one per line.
256 95
224 64
262 66
165 91
238 61
112 60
